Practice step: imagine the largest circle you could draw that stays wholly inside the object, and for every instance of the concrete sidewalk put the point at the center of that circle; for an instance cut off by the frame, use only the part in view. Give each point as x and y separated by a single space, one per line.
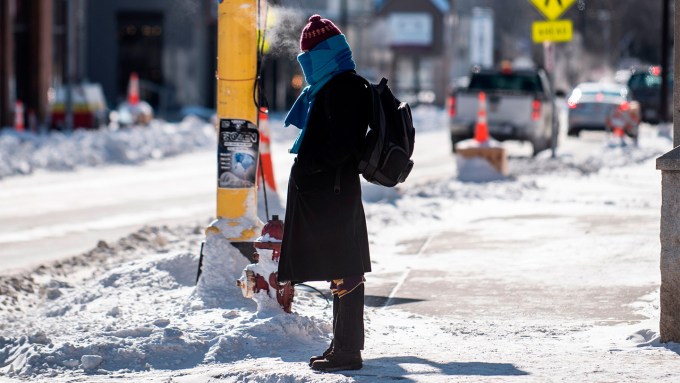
574 299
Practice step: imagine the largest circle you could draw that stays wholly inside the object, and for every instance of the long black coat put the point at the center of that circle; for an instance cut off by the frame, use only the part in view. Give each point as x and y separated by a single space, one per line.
325 233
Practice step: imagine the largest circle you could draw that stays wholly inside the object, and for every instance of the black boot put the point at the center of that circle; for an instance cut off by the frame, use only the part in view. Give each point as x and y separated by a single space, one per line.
338 360
322 356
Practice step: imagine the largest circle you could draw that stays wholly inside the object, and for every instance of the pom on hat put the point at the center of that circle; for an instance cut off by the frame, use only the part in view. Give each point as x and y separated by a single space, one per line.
316 31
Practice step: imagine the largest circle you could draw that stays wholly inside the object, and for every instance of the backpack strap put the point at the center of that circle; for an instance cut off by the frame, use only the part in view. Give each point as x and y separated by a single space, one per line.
378 122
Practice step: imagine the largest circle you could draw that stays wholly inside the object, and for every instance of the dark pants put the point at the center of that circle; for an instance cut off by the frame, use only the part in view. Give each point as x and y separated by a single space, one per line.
348 320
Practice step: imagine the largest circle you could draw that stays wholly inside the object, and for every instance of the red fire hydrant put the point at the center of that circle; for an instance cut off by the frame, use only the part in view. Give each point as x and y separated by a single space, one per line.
263 275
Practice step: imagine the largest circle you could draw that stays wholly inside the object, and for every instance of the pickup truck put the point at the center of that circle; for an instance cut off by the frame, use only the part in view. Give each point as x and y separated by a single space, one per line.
520 106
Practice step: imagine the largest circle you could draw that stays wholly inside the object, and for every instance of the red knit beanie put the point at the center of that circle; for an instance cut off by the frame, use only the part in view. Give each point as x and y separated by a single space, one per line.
316 31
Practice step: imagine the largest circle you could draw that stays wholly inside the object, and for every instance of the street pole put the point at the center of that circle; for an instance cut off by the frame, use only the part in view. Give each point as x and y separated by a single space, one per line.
7 92
549 57
343 16
70 67
665 47
238 138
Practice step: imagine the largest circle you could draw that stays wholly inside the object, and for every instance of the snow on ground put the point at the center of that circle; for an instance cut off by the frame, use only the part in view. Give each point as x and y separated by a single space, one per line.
24 153
130 311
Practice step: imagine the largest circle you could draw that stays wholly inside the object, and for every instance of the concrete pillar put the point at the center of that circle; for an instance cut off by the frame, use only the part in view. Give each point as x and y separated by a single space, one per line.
669 323
669 164
676 74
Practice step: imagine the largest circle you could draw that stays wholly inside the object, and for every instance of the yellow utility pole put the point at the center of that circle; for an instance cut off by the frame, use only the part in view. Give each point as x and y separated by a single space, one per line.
238 140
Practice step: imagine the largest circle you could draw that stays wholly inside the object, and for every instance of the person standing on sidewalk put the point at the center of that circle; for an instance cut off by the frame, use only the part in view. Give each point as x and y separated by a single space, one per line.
325 236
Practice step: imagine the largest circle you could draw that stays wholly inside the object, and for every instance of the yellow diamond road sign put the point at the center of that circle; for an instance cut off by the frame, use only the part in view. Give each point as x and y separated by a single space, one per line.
555 31
552 9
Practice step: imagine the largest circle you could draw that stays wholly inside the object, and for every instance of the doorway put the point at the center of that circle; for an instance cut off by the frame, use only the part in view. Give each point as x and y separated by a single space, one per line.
140 50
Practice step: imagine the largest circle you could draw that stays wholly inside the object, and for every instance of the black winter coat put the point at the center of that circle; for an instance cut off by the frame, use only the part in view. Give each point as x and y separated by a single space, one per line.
325 233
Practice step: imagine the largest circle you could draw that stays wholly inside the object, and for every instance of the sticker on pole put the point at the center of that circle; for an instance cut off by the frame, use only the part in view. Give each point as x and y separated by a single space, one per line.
554 31
552 9
237 154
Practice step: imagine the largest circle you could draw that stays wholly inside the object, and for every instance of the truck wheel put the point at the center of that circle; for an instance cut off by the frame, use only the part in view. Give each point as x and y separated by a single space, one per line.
573 132
454 140
539 145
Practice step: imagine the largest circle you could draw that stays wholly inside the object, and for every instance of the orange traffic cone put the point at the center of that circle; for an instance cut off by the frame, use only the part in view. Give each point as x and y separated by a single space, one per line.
265 152
618 132
616 122
133 89
19 124
482 127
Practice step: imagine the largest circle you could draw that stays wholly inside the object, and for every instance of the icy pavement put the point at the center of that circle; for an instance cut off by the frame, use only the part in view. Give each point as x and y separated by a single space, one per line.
550 275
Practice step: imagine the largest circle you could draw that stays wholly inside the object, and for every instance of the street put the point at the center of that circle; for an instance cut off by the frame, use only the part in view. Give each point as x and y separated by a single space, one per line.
53 215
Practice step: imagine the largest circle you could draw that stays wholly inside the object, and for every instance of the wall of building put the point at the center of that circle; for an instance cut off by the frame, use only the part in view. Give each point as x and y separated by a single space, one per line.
421 73
26 60
186 48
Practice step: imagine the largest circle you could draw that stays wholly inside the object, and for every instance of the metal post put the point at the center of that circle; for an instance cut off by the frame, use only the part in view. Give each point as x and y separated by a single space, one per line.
343 17
549 58
237 118
6 63
70 52
416 78
665 47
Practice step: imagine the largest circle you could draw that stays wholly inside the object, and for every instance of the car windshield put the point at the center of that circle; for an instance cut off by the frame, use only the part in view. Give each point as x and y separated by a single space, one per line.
509 82
644 80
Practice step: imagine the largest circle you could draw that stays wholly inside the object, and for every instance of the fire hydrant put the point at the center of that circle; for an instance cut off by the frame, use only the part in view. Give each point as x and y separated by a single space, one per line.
260 280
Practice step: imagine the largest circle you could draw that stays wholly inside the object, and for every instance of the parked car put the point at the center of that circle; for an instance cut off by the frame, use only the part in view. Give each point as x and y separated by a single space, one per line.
591 104
90 110
520 106
645 85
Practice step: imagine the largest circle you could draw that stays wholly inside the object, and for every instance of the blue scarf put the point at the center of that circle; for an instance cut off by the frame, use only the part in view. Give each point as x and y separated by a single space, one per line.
319 65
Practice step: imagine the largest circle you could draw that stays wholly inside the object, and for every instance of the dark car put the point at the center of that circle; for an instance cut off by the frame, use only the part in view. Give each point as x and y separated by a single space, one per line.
645 86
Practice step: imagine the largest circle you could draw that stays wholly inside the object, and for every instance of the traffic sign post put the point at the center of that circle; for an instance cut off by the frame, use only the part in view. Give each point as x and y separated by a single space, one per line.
552 31
548 33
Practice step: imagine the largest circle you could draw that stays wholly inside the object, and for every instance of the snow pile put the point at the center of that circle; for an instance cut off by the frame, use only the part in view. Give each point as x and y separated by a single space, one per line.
222 265
143 314
475 168
26 152
608 157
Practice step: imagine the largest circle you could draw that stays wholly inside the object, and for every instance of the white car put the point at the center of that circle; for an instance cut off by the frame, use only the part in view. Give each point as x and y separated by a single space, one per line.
591 104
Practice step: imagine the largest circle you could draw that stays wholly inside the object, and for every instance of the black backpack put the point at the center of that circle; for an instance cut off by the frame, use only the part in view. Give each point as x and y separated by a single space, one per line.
386 155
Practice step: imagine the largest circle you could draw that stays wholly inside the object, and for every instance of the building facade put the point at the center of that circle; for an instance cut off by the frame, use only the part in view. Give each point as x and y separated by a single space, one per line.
169 44
28 31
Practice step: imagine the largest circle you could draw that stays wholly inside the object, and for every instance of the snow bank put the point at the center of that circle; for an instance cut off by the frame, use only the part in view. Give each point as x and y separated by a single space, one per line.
143 315
26 152
103 312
